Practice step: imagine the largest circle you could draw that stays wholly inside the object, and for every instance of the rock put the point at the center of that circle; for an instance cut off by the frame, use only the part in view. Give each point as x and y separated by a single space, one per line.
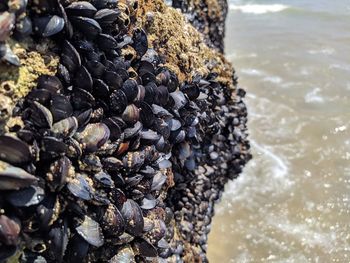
207 140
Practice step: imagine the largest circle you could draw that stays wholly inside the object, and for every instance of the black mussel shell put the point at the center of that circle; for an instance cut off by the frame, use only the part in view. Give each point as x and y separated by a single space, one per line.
190 164
131 114
52 146
124 74
8 55
148 204
96 68
163 145
6 252
68 25
101 89
41 116
81 8
14 178
70 57
124 255
146 114
158 180
46 212
106 42
93 136
88 26
174 124
74 150
163 244
192 91
63 74
141 93
118 101
143 248
47 26
161 112
145 66
79 186
7 23
105 4
164 164
184 150
118 197
58 240
148 171
84 46
106 17
110 66
162 128
150 92
132 181
60 107
113 80
148 77
90 163
104 179
177 136
3 49
25 135
140 42
83 79
91 231
13 150
126 40
59 172
84 117
113 127
40 95
24 28
149 137
130 88
133 131
133 217
9 231
112 221
179 99
163 95
66 127
32 195
82 99
173 82
151 56
163 77
77 249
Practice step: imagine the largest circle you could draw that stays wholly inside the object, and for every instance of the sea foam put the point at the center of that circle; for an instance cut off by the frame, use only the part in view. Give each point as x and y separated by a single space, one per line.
259 9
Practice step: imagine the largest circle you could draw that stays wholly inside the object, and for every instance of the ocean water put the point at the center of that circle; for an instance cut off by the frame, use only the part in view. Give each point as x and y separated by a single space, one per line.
292 202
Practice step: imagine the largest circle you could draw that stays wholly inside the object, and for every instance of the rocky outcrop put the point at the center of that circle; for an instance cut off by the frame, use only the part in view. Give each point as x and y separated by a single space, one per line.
208 17
213 150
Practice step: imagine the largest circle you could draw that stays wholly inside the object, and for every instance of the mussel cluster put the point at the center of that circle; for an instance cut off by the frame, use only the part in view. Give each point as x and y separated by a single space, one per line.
13 21
85 174
207 18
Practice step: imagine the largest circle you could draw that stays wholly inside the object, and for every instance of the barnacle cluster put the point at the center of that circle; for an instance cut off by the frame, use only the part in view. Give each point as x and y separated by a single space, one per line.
114 159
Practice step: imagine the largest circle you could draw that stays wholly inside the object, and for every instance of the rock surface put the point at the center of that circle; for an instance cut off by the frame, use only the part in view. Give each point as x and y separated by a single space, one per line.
188 50
208 17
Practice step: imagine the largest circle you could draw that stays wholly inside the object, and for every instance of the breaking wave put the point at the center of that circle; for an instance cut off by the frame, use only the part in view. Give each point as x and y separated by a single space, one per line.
259 9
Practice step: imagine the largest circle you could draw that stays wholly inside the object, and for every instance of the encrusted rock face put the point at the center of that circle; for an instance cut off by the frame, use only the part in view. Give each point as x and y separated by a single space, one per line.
119 127
208 17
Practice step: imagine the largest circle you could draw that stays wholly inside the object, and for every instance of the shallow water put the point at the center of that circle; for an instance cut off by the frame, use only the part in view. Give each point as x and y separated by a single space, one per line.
292 202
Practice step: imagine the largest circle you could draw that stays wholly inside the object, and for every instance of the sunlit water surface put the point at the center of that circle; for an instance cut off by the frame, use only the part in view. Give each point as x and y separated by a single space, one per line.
292 202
